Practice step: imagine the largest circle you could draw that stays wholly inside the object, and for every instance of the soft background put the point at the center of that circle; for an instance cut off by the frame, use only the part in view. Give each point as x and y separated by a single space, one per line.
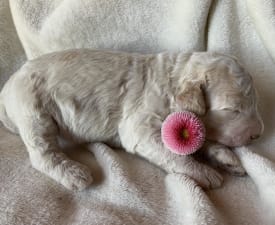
127 189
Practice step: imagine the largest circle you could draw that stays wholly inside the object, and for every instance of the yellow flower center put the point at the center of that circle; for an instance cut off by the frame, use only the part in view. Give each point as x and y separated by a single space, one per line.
185 134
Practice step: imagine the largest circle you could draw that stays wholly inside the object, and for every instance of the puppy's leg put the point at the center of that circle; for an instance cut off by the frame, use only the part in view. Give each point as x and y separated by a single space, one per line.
223 157
147 143
39 133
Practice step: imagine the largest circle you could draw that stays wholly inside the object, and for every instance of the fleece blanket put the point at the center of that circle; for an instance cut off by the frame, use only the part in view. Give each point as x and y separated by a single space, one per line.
127 189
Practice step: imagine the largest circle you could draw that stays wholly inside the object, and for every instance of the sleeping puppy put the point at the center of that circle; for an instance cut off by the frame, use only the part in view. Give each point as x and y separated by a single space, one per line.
121 99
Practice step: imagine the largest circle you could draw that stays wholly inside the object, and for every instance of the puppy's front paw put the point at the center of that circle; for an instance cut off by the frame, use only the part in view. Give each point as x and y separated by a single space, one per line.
207 177
222 157
232 166
75 176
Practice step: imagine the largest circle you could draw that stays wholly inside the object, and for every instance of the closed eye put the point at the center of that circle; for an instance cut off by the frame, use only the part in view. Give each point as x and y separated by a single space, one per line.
232 110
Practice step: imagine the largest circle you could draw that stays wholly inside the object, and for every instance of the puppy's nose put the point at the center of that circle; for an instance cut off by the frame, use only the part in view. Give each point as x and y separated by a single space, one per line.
253 137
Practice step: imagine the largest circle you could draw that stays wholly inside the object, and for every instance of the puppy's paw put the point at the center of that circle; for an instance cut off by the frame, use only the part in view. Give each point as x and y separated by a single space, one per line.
75 176
206 177
224 158
232 166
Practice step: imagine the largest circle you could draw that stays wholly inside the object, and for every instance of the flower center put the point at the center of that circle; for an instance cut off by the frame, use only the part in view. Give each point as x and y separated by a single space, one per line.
185 134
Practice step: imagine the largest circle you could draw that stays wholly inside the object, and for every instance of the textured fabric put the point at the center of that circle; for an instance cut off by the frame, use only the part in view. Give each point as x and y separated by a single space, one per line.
127 189
11 52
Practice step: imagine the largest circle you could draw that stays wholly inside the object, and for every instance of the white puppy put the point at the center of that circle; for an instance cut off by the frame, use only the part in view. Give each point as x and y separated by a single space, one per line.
122 99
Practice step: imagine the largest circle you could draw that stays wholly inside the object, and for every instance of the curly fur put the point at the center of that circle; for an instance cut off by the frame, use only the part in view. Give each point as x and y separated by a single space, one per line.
121 99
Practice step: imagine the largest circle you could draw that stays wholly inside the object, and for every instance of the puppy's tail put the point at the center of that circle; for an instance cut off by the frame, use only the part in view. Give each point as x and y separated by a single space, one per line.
5 119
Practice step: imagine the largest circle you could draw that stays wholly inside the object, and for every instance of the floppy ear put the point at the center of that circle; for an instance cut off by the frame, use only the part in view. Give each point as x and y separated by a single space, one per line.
191 98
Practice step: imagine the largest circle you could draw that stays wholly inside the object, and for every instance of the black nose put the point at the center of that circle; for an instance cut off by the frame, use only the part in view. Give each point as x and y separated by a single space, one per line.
254 136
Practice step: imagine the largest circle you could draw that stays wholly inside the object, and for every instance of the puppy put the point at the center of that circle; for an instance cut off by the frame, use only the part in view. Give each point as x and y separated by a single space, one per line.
121 99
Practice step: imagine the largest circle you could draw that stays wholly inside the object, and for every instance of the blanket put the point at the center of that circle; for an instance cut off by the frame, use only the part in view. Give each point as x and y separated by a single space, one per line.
128 189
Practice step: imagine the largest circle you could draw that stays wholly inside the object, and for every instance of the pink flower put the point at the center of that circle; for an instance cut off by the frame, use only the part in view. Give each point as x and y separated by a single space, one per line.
183 133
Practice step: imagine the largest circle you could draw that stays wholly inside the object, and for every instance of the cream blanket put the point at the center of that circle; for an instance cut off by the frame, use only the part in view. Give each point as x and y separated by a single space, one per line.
127 189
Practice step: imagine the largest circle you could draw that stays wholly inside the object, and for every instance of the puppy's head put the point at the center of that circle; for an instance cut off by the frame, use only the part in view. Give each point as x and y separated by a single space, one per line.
217 88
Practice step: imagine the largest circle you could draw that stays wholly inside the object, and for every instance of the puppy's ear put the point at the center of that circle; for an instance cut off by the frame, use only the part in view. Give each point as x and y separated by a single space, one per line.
191 98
